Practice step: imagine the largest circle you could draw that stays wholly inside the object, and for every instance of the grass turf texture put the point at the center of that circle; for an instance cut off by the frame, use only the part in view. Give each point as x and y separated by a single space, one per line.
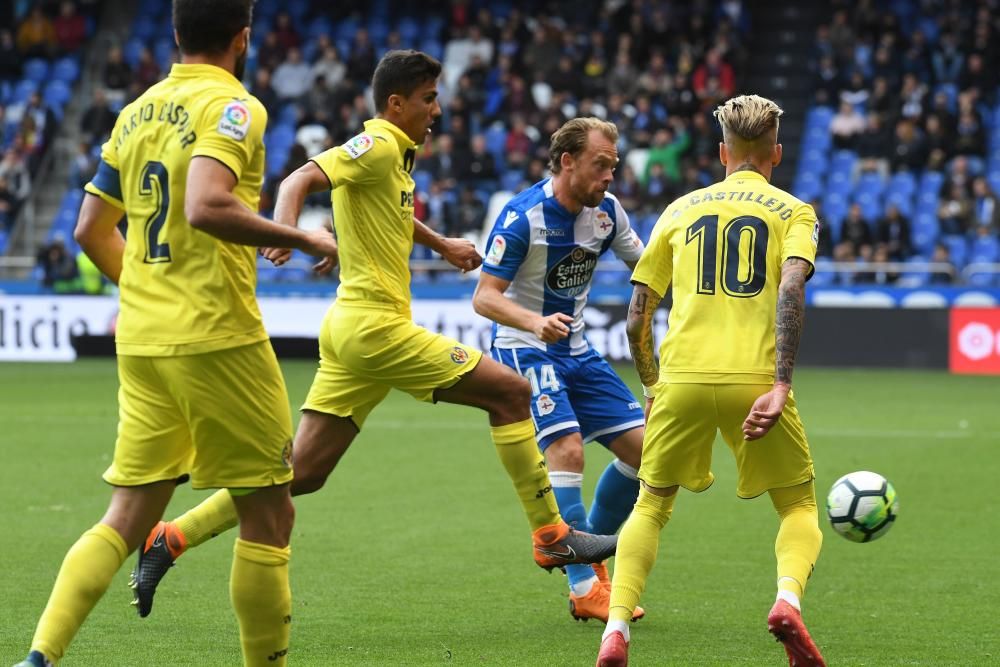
416 552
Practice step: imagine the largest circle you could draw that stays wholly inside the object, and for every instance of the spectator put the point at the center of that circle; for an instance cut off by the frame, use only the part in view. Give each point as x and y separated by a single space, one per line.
293 77
846 125
285 32
58 266
976 79
10 59
8 205
263 91
878 275
985 208
940 143
622 79
911 97
83 167
909 152
319 101
955 211
628 189
916 58
469 214
330 67
947 60
945 275
828 81
442 164
656 80
70 28
893 234
14 169
669 144
270 54
658 190
147 71
855 92
541 53
855 237
716 68
361 61
883 100
480 167
873 145
36 38
117 75
970 136
519 145
98 120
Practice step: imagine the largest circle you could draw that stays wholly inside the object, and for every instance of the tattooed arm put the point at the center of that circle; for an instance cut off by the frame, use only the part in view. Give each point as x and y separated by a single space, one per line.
639 327
789 320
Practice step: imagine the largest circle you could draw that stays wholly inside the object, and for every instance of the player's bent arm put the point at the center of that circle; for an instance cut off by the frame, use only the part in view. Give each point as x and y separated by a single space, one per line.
292 192
639 328
790 317
490 301
211 207
460 253
97 233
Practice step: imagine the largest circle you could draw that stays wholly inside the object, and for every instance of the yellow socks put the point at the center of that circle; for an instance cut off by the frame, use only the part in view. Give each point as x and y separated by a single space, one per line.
519 454
85 574
637 547
214 516
262 600
799 538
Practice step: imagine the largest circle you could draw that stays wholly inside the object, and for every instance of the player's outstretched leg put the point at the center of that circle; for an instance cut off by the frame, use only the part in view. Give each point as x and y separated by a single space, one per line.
169 539
796 548
505 395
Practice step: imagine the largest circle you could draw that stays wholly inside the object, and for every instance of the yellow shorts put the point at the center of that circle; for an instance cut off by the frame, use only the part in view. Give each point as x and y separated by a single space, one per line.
365 352
677 447
222 417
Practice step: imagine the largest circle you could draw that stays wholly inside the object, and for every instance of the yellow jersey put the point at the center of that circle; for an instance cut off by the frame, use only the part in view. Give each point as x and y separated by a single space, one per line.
721 249
373 214
183 291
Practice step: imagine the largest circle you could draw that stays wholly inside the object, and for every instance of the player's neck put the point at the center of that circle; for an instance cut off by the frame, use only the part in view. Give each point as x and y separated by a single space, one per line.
748 165
226 62
560 189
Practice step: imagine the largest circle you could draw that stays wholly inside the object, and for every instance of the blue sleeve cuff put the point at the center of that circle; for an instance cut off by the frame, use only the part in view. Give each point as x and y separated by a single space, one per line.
106 180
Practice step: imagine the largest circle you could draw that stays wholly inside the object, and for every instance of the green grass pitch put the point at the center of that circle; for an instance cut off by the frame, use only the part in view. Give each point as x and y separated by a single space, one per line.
416 552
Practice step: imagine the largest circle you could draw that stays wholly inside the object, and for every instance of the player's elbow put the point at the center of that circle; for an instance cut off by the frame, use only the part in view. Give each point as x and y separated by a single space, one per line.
200 214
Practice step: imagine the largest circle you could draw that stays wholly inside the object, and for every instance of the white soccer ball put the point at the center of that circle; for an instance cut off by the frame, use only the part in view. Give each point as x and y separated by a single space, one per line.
862 506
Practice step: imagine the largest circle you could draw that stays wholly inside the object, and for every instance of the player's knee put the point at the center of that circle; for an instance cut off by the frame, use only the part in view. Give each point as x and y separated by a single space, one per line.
565 454
308 480
512 398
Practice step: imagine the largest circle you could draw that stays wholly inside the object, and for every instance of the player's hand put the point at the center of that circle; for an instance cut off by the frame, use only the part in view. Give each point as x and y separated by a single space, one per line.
462 254
320 243
276 256
553 328
765 412
324 266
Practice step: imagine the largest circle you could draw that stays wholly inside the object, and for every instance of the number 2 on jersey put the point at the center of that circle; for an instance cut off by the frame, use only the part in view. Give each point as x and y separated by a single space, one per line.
737 281
155 173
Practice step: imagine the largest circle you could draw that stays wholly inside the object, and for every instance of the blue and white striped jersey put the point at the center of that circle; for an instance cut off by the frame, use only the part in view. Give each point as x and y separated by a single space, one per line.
548 255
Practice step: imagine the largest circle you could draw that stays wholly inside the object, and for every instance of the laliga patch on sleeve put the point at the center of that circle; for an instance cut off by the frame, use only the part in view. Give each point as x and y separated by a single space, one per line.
359 145
235 121
816 234
496 251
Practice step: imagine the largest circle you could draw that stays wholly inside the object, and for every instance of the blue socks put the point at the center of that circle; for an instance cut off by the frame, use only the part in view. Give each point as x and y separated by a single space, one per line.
616 493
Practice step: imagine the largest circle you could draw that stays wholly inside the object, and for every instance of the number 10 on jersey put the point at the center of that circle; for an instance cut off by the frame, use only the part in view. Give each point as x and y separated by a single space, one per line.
738 279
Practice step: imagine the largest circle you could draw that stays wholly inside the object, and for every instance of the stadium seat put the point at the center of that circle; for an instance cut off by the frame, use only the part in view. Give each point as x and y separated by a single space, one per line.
994 181
24 89
163 50
843 160
496 142
433 48
985 249
66 70
511 180
422 180
901 201
3 241
144 28
819 116
409 30
958 249
924 232
813 160
35 69
931 181
903 181
57 93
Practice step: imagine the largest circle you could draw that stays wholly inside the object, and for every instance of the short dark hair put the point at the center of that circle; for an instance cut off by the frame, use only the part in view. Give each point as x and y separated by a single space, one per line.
400 73
207 26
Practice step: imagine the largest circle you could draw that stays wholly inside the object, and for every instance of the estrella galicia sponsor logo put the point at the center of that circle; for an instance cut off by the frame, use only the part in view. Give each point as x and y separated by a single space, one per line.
459 355
571 275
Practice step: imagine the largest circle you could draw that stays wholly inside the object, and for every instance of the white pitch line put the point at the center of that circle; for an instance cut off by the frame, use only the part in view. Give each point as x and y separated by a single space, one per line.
898 433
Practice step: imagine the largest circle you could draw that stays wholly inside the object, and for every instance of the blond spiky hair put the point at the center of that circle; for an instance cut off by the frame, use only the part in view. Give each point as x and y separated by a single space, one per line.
749 120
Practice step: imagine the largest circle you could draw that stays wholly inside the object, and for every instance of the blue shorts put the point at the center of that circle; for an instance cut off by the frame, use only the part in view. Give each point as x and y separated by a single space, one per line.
578 394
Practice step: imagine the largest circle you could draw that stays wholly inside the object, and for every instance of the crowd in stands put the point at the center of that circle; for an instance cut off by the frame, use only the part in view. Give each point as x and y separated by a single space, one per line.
40 58
902 150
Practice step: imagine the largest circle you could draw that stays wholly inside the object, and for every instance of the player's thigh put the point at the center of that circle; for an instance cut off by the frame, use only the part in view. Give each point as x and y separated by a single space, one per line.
677 447
154 439
338 389
606 408
551 408
412 359
237 407
779 459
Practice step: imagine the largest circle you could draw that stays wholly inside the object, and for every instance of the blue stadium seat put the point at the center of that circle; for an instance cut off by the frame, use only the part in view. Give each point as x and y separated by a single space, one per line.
289 115
839 183
57 93
345 32
958 249
277 156
319 26
813 160
496 142
993 179
297 9
35 69
422 180
144 27
24 89
409 30
902 201
511 180
916 277
843 160
433 25
931 181
951 90
985 249
131 51
819 116
163 49
3 241
818 138
66 70
903 181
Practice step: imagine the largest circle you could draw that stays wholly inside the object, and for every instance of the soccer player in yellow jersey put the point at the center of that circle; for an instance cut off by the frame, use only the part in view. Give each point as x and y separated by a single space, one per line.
737 255
369 343
201 393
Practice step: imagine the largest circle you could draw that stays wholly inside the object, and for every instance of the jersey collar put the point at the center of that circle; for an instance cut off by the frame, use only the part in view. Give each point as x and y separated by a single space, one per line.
403 142
745 174
200 71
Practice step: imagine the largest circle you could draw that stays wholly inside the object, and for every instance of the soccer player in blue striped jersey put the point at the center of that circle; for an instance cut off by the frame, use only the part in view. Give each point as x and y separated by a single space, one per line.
534 284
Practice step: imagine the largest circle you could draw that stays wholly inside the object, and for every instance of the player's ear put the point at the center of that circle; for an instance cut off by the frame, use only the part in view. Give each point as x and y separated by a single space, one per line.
177 40
241 42
723 153
566 159
776 155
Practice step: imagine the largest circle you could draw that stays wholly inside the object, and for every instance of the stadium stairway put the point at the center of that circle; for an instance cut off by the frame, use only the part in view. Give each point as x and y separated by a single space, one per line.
778 68
52 180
